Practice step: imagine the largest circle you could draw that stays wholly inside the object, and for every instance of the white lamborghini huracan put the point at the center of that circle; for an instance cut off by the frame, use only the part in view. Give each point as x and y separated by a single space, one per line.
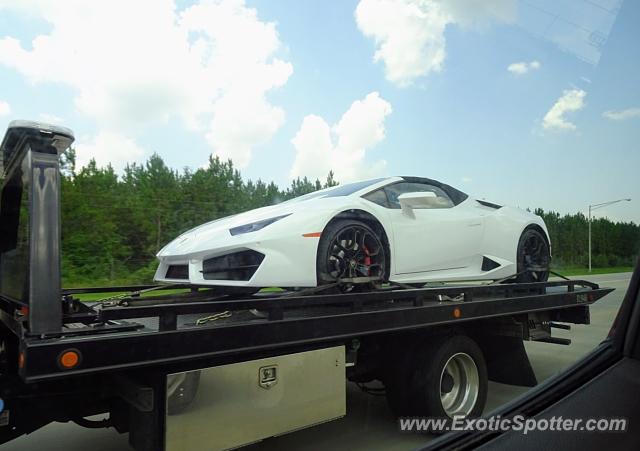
404 229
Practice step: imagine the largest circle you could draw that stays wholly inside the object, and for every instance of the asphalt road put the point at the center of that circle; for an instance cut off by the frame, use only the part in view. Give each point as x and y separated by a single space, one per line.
368 424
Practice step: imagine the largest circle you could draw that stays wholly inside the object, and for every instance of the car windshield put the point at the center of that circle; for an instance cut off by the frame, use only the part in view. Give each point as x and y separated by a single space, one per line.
341 190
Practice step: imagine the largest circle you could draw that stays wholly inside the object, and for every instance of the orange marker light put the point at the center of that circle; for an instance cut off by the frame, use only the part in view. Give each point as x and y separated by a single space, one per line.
312 235
21 360
69 359
457 313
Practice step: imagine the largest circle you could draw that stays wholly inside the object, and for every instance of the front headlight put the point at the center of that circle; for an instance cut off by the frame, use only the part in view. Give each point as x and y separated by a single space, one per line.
255 226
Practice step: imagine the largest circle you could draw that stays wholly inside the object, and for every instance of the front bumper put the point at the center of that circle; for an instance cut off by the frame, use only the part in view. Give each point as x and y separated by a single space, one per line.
283 262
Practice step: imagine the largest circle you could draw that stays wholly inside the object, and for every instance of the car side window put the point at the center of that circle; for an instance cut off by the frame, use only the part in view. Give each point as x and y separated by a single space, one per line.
395 190
378 197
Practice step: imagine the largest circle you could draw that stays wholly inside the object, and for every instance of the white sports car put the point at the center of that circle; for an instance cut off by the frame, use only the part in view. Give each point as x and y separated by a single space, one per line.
404 229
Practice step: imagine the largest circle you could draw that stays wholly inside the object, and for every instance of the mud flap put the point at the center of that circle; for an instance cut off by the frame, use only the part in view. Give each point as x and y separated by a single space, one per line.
507 361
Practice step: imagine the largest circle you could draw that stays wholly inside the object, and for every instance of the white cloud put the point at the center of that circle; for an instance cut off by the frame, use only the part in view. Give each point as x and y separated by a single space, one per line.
480 14
409 34
139 69
571 100
109 148
234 130
342 148
622 115
523 67
5 108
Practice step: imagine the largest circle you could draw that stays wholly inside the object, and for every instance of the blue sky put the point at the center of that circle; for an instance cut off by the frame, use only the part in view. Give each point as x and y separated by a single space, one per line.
290 88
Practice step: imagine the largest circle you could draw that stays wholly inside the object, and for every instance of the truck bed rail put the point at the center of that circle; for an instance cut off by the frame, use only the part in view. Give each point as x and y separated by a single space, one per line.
120 337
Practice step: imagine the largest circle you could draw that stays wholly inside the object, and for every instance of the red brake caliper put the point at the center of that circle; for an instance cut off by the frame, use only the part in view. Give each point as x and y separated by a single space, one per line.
367 259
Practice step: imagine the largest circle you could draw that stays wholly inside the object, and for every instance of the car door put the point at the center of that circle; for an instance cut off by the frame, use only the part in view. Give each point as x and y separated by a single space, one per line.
446 237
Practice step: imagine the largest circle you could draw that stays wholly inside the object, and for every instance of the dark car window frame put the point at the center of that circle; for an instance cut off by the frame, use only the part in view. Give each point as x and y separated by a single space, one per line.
386 204
392 206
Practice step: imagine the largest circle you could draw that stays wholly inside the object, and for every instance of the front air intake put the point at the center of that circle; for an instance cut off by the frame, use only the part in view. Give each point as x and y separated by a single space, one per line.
178 272
488 264
236 266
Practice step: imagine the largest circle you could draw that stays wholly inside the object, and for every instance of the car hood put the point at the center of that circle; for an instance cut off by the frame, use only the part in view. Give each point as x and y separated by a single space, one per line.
194 239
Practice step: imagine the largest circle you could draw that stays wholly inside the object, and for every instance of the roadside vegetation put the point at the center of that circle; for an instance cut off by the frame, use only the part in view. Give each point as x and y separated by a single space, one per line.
615 245
584 271
112 226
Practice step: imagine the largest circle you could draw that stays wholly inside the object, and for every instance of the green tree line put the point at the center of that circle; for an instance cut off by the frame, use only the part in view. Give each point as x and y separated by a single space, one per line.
612 243
113 225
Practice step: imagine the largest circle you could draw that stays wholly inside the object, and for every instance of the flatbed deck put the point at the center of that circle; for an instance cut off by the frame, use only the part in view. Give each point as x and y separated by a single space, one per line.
130 336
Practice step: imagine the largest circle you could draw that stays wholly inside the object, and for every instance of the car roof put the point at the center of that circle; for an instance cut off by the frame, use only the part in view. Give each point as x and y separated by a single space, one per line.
370 185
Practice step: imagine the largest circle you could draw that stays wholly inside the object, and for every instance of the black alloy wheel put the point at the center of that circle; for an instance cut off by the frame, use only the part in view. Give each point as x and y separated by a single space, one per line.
533 257
350 249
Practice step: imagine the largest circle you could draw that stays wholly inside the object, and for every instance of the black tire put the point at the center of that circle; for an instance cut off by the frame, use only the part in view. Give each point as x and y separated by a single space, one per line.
533 252
357 260
416 388
184 394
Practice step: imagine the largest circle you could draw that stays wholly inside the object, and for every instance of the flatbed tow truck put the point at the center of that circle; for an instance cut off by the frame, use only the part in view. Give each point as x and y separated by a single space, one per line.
205 369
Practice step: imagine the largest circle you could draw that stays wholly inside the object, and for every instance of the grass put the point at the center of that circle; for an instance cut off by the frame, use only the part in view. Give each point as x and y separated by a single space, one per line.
90 297
582 271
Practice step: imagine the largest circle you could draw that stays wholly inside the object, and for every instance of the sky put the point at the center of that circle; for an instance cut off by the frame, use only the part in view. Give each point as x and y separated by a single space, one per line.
533 103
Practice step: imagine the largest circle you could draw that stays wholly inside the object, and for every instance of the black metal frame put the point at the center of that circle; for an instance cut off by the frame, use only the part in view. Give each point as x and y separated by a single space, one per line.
110 338
30 151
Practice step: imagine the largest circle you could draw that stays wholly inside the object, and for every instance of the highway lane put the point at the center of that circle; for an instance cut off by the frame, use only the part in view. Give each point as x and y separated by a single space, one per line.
368 424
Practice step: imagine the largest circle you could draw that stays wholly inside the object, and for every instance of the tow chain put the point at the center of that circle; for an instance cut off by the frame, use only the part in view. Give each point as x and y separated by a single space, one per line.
214 317
116 300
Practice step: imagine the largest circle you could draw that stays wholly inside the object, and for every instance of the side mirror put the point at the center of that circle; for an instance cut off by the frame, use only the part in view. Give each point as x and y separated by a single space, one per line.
419 200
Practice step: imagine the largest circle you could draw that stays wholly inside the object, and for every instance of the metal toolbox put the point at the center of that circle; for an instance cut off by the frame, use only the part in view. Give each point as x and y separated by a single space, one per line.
245 402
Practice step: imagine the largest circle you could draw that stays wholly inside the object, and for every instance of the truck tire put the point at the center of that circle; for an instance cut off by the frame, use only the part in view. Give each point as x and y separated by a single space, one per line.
421 383
449 379
183 393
